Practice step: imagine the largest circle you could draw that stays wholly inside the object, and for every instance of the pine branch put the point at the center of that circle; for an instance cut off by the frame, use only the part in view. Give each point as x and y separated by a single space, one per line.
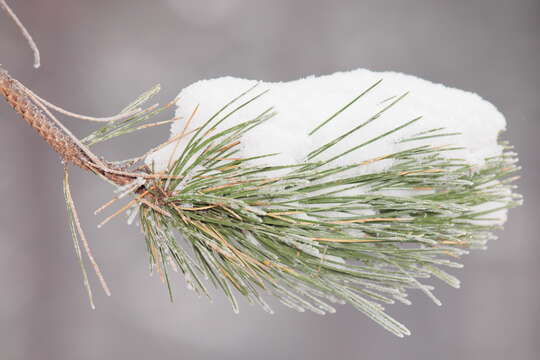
298 232
299 236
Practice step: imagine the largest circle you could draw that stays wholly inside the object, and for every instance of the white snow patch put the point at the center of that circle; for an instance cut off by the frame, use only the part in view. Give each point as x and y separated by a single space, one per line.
303 104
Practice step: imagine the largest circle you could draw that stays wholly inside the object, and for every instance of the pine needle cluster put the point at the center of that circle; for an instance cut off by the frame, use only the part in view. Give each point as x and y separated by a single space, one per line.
303 236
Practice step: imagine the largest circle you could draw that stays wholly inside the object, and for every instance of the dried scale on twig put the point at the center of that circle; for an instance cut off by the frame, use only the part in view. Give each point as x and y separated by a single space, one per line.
298 232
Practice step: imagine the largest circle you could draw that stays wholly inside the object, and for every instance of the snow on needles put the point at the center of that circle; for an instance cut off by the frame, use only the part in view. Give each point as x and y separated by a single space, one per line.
303 104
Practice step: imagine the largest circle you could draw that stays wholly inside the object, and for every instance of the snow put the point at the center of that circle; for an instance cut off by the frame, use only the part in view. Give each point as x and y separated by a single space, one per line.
303 104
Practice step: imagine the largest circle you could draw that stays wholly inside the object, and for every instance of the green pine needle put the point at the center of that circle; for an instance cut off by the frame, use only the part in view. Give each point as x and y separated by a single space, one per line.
298 236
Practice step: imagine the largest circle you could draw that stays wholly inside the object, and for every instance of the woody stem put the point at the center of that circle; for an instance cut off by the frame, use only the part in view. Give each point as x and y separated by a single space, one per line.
68 147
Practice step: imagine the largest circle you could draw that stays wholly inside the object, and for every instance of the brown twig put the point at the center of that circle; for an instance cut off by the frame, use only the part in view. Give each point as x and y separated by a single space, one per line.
65 144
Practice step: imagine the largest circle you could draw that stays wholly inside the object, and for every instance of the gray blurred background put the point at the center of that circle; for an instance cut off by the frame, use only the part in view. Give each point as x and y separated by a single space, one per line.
99 55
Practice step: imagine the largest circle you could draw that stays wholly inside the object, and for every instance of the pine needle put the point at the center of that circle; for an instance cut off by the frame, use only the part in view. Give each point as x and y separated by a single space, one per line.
299 236
77 232
4 6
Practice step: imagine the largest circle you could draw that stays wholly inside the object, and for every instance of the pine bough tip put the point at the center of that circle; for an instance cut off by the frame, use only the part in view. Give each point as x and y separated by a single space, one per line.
367 192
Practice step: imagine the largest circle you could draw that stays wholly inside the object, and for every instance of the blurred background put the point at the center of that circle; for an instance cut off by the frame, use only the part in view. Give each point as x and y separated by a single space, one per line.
98 55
